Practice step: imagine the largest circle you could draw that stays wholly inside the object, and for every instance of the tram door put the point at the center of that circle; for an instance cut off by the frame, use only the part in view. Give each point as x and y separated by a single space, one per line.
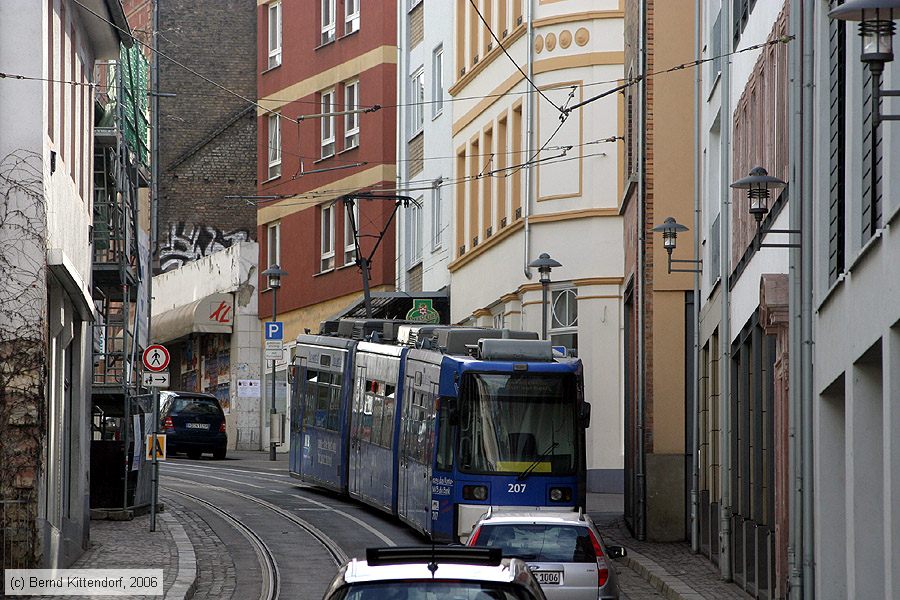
357 428
417 445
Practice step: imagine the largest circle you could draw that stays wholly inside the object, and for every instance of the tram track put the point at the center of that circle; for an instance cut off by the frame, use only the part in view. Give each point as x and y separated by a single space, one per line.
334 551
269 566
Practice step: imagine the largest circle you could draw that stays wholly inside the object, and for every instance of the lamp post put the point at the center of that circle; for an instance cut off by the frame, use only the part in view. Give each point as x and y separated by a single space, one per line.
544 264
759 185
670 229
274 274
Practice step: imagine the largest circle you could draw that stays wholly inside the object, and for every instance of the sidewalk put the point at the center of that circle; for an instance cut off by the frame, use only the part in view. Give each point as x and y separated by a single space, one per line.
672 569
131 545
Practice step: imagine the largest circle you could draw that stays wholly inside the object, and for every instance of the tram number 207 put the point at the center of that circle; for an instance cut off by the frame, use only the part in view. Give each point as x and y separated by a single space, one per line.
515 488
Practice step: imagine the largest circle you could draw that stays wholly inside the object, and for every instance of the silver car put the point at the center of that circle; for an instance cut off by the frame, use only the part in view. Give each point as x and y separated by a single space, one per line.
564 551
434 573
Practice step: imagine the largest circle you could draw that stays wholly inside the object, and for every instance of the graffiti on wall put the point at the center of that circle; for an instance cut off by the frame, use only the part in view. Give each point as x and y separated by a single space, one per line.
186 243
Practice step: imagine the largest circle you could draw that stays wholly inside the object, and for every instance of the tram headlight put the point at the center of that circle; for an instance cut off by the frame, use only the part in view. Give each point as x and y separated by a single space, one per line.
560 494
475 492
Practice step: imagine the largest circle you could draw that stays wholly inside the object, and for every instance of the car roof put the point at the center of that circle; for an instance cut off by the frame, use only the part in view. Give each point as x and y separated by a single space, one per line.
359 571
543 517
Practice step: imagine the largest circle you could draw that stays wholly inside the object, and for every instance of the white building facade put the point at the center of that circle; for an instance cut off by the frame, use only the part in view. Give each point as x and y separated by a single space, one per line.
424 152
46 217
530 178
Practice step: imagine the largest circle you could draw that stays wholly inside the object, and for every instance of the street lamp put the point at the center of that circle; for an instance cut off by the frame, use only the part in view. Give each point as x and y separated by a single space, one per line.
274 275
544 264
670 229
876 27
759 185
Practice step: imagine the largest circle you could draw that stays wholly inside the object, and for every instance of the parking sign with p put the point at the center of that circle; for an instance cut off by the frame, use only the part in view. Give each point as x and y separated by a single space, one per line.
274 330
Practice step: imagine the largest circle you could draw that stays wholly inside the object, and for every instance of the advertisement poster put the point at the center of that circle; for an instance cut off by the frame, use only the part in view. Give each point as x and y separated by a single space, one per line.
138 438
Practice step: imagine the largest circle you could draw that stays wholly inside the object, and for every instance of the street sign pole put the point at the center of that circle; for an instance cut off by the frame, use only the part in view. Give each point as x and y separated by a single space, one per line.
155 495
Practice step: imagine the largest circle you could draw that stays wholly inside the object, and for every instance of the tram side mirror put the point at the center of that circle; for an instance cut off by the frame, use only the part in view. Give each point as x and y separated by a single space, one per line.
586 414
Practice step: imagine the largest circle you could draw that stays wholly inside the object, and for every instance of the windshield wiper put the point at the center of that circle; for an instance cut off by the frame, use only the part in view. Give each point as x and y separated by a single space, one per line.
537 461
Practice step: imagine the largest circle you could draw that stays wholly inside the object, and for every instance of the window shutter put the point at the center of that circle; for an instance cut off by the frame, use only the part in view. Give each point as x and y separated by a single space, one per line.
838 83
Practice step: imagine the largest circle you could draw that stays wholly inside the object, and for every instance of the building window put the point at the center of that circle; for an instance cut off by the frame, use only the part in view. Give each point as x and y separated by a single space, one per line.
351 18
417 102
349 238
274 145
327 123
437 79
838 92
437 209
274 34
273 242
414 233
327 261
327 21
564 319
351 120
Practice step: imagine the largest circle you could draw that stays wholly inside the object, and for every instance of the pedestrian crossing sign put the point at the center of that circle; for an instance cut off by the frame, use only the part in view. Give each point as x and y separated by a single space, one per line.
160 446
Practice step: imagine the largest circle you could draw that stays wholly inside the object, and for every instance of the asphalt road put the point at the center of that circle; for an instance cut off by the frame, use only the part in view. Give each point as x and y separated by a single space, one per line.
274 527
264 532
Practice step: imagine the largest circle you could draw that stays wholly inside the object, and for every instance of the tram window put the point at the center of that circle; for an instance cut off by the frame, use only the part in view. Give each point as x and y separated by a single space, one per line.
387 426
377 413
445 439
334 407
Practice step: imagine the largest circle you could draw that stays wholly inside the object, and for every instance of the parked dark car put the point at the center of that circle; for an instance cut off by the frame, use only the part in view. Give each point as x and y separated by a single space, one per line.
193 423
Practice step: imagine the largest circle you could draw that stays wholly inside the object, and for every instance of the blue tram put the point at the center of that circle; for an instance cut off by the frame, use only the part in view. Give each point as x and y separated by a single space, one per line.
437 426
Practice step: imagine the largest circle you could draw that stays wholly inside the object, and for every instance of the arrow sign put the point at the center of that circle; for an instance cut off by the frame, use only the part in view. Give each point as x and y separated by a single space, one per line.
156 379
156 358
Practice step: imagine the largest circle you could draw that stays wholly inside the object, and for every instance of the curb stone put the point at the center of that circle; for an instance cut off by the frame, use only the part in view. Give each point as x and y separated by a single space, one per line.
186 581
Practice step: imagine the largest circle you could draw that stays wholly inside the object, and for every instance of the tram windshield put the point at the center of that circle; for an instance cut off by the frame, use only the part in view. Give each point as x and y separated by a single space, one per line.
518 423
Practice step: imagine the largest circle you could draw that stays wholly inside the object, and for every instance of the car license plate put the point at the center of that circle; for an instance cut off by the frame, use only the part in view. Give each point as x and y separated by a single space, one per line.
548 577
198 425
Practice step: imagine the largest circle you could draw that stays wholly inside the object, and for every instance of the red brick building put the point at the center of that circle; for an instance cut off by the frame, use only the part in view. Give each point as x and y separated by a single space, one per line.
315 58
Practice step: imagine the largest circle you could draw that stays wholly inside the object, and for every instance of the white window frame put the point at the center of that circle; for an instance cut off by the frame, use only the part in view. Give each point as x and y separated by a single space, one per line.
437 217
327 250
351 120
274 145
275 51
328 8
273 249
349 240
414 231
437 81
416 102
351 16
327 129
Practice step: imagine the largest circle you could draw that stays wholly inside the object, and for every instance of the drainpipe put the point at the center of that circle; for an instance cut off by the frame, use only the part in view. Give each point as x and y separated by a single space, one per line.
795 396
529 136
401 142
695 426
806 299
640 477
800 549
725 192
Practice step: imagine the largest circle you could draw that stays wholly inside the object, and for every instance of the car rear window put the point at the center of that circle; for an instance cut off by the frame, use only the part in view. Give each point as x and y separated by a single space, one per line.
542 543
196 406
434 590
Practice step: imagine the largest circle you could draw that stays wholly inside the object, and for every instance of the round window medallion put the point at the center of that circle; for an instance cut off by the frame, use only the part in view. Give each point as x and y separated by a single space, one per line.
551 42
565 39
582 36
538 44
